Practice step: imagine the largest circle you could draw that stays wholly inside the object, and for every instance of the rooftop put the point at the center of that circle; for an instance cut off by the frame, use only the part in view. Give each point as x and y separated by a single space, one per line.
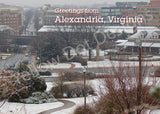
113 29
9 8
148 36
5 27
158 32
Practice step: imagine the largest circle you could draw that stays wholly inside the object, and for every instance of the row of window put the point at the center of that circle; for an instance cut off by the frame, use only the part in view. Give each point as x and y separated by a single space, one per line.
154 9
115 13
110 10
147 12
116 10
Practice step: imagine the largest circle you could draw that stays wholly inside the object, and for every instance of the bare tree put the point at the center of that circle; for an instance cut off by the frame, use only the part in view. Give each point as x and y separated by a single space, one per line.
121 91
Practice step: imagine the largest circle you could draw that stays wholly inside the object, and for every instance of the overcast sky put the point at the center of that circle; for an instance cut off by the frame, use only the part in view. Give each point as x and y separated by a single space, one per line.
62 2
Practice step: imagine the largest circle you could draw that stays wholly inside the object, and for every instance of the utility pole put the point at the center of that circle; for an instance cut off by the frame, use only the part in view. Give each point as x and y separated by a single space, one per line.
139 84
40 57
84 72
140 77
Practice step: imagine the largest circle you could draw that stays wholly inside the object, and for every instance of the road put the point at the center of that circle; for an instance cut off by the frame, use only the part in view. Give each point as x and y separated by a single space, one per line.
67 104
13 61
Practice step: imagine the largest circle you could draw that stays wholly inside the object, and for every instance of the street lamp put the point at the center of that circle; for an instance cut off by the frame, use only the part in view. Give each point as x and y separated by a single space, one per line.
84 72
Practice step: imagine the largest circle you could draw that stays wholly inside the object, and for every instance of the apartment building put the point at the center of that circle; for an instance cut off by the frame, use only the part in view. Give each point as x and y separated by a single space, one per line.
150 13
11 16
116 10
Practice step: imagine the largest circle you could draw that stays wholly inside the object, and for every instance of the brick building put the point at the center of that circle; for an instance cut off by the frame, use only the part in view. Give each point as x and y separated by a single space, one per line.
150 13
11 16
116 10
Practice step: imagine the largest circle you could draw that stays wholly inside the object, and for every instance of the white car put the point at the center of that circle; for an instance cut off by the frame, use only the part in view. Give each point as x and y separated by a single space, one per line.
4 57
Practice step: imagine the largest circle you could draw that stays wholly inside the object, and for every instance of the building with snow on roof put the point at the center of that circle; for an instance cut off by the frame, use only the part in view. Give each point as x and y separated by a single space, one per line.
150 42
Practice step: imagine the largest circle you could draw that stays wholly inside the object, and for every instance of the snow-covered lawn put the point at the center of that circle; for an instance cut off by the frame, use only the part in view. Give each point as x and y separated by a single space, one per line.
20 108
108 63
55 66
96 64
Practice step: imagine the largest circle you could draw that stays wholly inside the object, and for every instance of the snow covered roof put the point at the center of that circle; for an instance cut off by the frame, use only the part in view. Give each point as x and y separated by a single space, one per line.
144 44
113 29
5 27
158 32
122 44
148 36
156 45
120 41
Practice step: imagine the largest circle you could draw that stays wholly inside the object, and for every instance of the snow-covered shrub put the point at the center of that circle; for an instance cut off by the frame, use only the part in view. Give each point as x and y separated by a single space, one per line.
22 67
15 86
71 90
157 72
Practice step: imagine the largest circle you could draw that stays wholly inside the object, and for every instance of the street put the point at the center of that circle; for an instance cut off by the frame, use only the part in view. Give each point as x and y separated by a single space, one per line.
12 61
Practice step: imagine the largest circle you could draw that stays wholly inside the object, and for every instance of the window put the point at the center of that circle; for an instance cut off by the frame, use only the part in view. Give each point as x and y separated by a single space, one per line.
105 10
155 9
155 12
140 13
147 8
148 12
141 9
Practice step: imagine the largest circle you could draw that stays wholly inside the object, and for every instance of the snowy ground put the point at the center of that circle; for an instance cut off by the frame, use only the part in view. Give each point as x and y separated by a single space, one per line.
20 108
56 66
96 84
96 64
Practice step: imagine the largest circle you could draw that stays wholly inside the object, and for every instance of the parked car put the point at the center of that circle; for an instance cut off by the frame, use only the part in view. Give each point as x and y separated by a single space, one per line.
4 57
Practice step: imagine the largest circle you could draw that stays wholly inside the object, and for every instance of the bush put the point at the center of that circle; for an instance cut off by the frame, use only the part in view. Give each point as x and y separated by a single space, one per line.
80 110
157 72
77 90
46 73
22 67
71 90
24 92
75 76
126 92
56 92
156 92
109 105
38 84
17 86
14 97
